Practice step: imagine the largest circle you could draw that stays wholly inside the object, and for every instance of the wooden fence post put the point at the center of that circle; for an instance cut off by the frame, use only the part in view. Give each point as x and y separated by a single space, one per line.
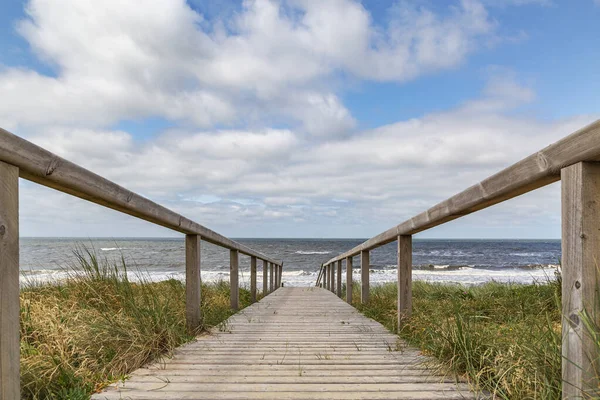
349 280
325 277
330 273
253 279
9 283
265 278
271 283
333 277
580 279
280 275
365 264
193 283
404 278
234 278
339 278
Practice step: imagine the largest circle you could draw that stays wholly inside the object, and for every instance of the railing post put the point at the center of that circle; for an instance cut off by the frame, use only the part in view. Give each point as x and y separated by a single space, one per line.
330 277
404 278
193 283
365 265
253 279
280 275
333 277
580 279
234 279
265 278
349 280
9 282
339 278
270 277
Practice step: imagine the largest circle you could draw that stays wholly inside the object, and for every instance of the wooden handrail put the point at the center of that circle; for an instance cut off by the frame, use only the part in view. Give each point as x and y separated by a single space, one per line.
537 170
41 166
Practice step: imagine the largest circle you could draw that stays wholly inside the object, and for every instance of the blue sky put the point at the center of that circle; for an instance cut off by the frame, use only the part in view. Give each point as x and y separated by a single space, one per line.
297 118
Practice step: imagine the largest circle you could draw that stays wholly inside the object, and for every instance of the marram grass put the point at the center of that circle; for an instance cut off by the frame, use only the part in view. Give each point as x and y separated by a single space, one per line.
504 339
80 334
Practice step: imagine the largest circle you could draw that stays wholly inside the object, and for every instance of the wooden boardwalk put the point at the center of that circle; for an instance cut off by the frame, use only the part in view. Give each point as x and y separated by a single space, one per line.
297 343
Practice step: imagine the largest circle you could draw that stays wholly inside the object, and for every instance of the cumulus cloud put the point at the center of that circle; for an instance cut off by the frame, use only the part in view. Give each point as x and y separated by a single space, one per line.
270 61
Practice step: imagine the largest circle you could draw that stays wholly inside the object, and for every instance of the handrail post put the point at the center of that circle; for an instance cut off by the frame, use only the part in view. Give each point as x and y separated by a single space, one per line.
193 283
365 265
270 277
252 279
9 282
333 277
234 279
339 278
580 192
404 278
265 278
280 275
329 277
349 280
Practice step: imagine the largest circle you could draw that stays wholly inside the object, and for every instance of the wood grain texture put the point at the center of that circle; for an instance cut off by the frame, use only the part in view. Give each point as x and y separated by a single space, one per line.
234 263
9 282
265 278
333 279
281 275
271 283
349 280
193 284
404 278
338 285
365 264
41 166
297 343
253 279
580 189
533 172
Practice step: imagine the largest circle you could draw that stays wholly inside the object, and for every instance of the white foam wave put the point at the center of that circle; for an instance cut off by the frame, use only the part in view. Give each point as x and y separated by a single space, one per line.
311 252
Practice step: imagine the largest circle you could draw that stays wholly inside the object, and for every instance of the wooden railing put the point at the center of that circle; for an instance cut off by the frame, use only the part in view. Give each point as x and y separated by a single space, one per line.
574 160
20 158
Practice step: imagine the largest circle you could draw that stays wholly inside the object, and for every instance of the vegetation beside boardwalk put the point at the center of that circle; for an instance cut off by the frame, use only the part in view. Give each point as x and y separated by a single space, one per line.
503 338
82 333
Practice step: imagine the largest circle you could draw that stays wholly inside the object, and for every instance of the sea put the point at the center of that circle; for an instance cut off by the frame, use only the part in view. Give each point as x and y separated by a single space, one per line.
468 262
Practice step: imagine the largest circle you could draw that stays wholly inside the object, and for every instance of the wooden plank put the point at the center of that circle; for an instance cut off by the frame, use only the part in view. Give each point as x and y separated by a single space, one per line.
234 295
537 170
333 280
404 278
339 279
281 275
580 280
297 343
41 166
365 265
253 279
270 277
330 277
193 284
265 278
9 282
349 280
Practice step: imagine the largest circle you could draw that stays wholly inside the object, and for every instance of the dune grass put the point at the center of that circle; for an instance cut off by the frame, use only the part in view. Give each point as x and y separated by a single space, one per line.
80 334
502 338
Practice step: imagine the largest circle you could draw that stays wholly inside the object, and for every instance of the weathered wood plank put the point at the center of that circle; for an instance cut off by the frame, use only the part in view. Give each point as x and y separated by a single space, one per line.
365 265
333 280
349 280
404 278
265 278
234 279
41 166
297 343
580 280
253 279
533 172
9 282
193 283
271 277
338 285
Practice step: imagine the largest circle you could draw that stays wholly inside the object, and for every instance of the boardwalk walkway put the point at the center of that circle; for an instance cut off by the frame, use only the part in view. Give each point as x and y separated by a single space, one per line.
297 343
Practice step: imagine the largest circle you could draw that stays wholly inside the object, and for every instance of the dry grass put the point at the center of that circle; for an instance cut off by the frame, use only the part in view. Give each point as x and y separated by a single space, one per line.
80 334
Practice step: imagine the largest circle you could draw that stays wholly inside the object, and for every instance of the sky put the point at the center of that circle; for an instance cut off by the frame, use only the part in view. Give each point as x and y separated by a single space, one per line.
296 118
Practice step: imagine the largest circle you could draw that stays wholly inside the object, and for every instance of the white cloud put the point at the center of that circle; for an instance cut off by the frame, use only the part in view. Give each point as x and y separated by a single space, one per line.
271 61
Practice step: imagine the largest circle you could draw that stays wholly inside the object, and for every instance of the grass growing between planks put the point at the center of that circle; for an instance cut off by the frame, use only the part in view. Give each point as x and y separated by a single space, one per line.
95 327
503 338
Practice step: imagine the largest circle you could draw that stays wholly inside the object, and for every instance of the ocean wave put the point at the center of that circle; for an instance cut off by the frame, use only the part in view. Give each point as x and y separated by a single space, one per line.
111 248
311 252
